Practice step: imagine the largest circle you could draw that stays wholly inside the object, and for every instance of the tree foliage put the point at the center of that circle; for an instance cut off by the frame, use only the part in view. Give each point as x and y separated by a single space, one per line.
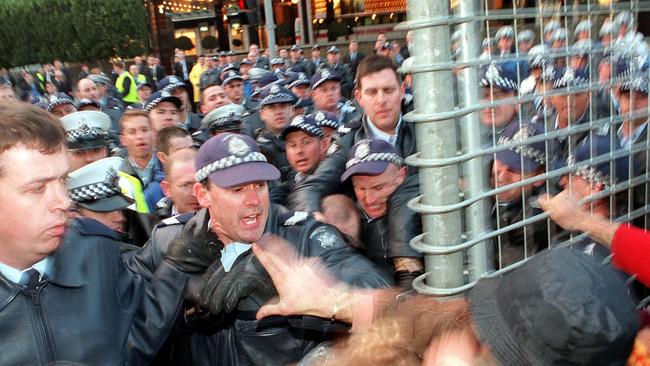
209 42
38 31
183 43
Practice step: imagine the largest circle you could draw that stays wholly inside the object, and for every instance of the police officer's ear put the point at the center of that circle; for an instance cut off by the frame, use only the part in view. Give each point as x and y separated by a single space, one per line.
402 173
324 145
164 185
161 156
202 194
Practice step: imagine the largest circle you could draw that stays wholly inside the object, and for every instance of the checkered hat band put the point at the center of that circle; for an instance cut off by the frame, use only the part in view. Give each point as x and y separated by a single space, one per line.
95 191
277 98
389 157
328 123
500 82
330 78
155 102
85 134
230 79
227 162
311 129
299 82
593 176
525 150
638 84
58 102
224 121
575 81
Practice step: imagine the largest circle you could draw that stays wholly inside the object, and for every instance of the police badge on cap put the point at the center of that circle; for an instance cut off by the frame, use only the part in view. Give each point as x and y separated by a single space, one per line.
237 146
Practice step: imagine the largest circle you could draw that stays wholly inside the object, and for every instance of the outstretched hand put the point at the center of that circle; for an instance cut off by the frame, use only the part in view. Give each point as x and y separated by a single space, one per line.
304 285
564 210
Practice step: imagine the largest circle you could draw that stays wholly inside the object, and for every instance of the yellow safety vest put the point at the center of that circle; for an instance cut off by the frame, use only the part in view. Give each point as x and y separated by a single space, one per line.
141 79
132 188
132 97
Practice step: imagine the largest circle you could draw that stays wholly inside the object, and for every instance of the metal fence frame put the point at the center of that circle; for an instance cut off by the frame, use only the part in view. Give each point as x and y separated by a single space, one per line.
461 250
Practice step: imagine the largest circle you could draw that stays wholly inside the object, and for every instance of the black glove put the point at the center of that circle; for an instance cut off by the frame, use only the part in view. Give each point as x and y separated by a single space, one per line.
404 279
222 291
197 246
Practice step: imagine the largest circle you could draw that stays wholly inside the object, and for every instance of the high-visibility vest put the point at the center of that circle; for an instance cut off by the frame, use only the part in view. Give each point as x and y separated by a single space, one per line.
132 188
141 79
41 81
132 97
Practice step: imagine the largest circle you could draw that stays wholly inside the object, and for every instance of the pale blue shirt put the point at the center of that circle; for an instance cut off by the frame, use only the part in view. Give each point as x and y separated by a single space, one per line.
379 134
231 252
17 276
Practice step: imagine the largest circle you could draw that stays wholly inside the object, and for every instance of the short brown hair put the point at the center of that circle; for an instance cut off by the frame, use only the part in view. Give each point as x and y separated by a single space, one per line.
166 134
29 126
131 113
187 155
372 64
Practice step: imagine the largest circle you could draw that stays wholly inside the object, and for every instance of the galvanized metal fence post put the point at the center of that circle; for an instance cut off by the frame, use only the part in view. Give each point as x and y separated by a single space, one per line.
436 139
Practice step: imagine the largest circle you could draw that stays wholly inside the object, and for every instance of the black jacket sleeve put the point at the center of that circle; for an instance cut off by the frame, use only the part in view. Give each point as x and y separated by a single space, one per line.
403 223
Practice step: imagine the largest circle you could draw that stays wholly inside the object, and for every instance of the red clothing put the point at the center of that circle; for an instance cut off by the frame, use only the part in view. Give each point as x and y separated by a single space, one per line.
631 248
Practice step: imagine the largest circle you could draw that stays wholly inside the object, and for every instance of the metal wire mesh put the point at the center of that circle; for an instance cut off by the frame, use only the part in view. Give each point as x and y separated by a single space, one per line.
575 106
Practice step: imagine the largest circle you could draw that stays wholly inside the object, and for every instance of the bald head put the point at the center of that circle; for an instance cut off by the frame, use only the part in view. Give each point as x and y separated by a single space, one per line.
87 89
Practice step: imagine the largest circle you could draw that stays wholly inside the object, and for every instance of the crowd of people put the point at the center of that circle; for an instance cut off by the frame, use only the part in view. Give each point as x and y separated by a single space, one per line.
254 211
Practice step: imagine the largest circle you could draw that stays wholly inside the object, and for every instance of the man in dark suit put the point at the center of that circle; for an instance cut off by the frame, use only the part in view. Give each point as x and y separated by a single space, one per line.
353 57
182 69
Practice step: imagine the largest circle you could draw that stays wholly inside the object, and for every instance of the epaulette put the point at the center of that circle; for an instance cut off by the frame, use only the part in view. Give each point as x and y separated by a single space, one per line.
408 98
177 220
334 147
292 218
343 130
262 139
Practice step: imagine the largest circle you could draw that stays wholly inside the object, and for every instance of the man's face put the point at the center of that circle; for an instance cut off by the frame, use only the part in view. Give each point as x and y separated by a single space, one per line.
181 94
326 96
373 191
235 91
301 91
243 69
354 46
503 175
7 94
88 89
151 60
283 53
63 110
201 61
579 187
114 219
238 214
498 116
80 158
569 107
50 88
295 56
231 59
163 115
275 116
254 49
213 98
525 46
179 186
304 152
636 103
102 90
174 144
381 39
380 96
33 203
144 93
333 58
134 71
137 137
315 53
505 44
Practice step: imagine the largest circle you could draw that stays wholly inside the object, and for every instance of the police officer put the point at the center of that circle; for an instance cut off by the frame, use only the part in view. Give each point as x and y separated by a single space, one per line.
231 186
86 137
98 198
505 40
334 64
125 83
227 118
233 85
525 160
96 88
326 93
298 63
61 105
178 88
499 82
275 110
387 224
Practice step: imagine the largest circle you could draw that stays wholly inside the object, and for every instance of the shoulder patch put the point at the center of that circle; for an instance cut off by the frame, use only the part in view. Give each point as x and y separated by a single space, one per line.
263 139
325 237
297 217
334 147
343 130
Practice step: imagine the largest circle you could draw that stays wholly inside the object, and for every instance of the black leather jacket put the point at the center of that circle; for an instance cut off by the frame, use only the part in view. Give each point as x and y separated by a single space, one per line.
275 151
91 310
241 340
388 236
326 179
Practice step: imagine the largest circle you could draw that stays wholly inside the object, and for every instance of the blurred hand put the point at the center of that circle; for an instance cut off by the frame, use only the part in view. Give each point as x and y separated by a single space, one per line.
564 210
304 285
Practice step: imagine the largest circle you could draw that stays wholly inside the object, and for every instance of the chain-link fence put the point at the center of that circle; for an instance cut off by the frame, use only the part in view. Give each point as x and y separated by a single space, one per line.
514 100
